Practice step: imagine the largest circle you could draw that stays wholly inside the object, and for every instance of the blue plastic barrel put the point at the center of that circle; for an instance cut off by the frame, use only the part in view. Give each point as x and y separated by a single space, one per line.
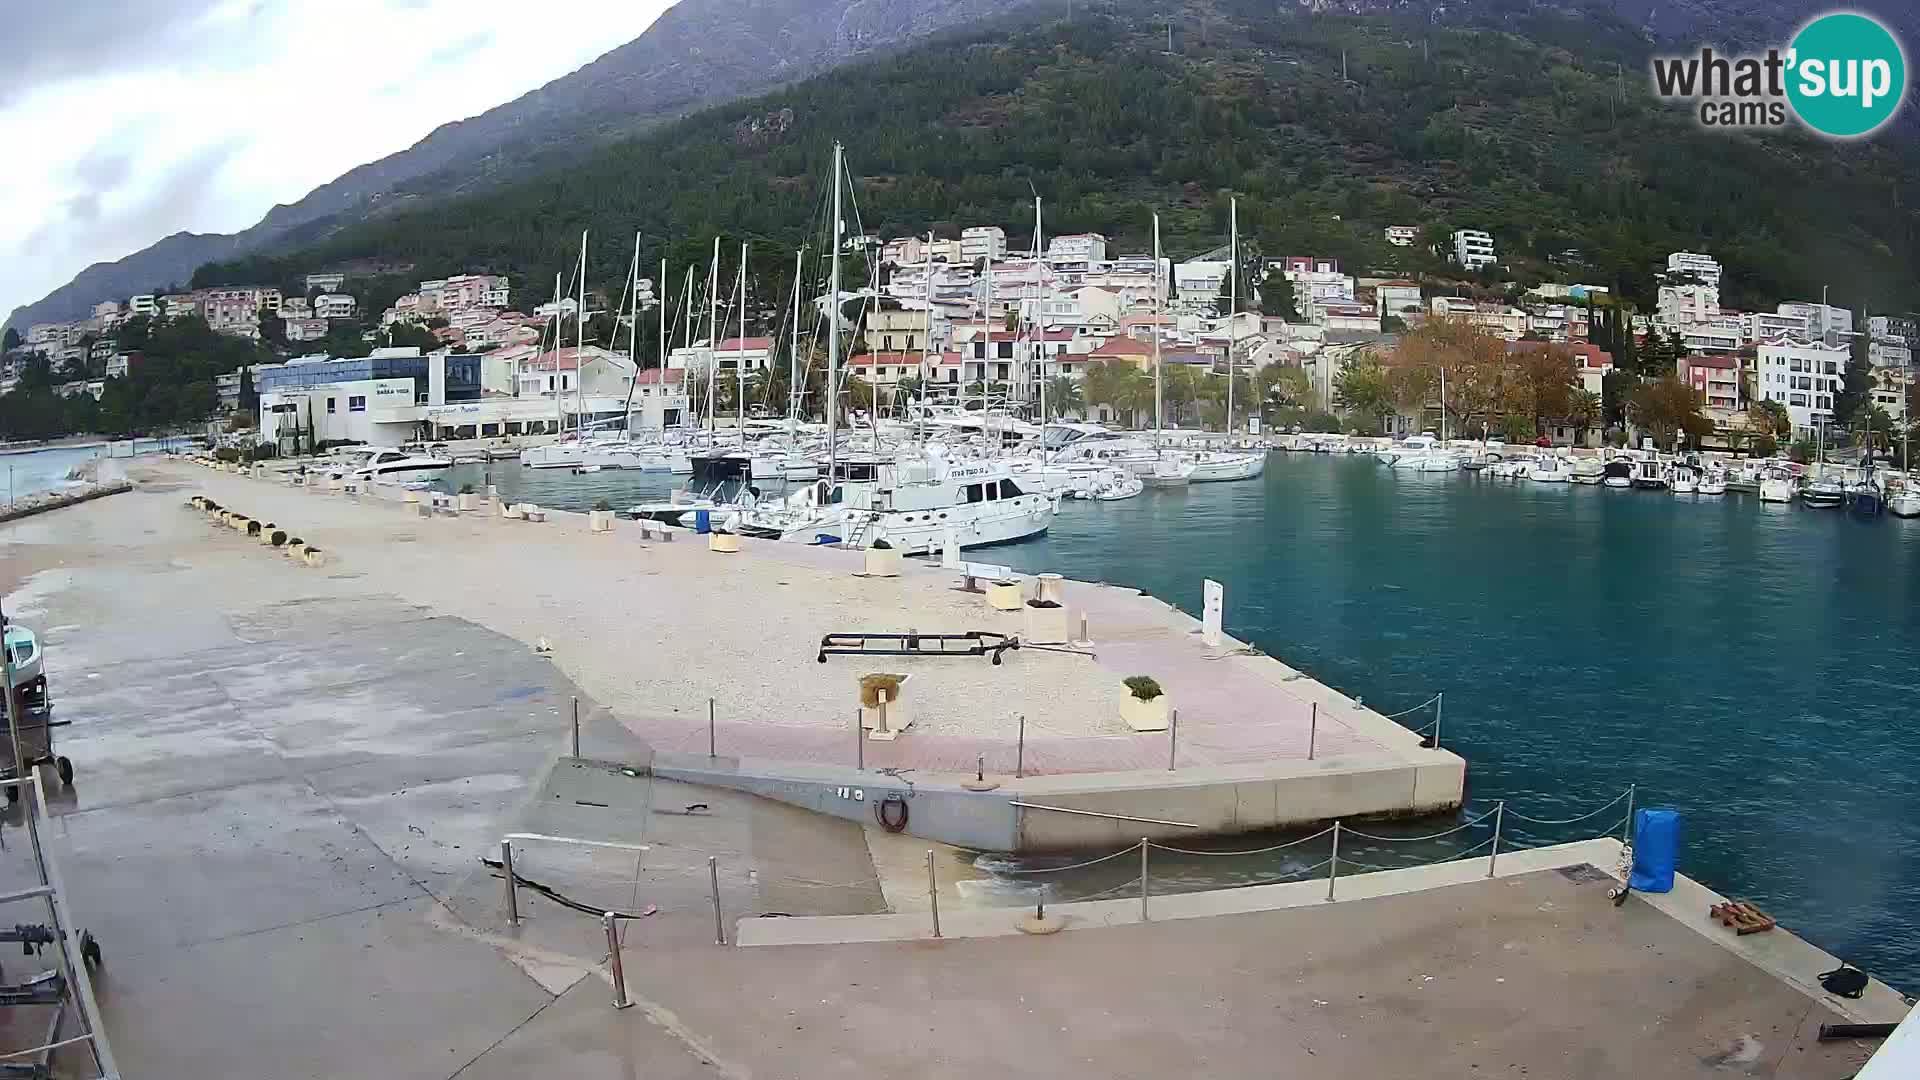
702 521
1656 849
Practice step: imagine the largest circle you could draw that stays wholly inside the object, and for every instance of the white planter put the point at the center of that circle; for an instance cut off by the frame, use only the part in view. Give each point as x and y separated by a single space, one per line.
469 502
1046 625
725 543
1052 587
897 714
883 562
1006 596
600 521
1144 715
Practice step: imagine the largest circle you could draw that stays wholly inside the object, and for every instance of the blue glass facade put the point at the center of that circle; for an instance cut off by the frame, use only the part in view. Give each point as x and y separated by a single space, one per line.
463 375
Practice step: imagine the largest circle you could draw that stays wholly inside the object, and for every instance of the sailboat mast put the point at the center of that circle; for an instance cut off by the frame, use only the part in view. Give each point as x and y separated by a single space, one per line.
559 401
713 335
1158 404
633 335
661 299
740 357
1233 299
1037 349
580 347
833 322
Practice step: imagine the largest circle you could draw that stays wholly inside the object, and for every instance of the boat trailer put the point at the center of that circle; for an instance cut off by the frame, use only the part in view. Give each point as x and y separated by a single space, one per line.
912 643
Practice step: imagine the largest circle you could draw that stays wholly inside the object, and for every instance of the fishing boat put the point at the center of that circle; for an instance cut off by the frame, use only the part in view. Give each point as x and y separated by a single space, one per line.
1618 473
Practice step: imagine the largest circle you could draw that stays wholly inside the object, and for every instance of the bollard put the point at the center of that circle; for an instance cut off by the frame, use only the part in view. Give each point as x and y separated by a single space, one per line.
1313 728
710 744
1143 878
713 882
513 901
1333 862
1020 751
1083 628
933 893
1499 814
576 727
1173 737
608 922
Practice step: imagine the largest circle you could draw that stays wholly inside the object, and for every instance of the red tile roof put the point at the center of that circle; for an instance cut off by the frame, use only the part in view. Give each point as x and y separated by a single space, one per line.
1122 346
752 344
654 376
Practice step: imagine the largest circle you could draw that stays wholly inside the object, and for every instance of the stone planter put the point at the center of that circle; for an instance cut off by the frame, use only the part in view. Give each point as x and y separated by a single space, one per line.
600 521
1046 625
468 502
514 511
883 562
885 722
1006 596
1145 715
313 556
725 543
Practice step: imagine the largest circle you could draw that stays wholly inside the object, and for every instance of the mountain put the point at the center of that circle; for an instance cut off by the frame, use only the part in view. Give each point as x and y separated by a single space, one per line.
1326 127
698 53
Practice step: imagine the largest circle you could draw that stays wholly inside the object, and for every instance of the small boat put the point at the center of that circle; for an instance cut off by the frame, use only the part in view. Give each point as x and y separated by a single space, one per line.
394 465
1865 499
1586 471
1683 480
1649 475
1548 470
1776 486
1713 483
1116 485
1904 503
1618 473
1823 494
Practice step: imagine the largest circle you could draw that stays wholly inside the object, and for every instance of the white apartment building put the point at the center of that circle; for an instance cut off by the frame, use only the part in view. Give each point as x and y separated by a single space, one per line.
325 282
333 306
1396 298
1508 322
1805 377
1473 249
983 242
1767 325
1715 337
753 353
1704 267
1681 306
1821 318
46 334
1889 352
1076 253
1196 283
1889 391
903 250
305 328
1402 235
142 305
295 307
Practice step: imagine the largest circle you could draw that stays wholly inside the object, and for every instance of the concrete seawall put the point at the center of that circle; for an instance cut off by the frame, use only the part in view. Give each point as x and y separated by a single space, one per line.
57 502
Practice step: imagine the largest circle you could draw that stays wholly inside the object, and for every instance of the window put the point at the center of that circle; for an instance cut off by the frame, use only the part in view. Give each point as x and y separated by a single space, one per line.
1009 490
1831 369
1798 399
975 493
357 403
886 342
330 406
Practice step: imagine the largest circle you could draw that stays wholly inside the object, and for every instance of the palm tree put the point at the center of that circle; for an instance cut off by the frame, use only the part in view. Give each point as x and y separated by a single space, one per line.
1063 397
1583 408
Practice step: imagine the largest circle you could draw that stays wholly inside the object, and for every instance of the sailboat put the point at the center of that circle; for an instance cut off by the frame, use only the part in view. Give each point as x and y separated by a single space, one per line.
1163 470
1819 490
1904 501
1211 467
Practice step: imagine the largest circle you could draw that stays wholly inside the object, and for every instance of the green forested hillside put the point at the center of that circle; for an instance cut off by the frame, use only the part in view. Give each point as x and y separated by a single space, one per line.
1541 132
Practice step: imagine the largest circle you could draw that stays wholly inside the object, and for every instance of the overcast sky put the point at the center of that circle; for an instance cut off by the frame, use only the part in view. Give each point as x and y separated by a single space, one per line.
123 121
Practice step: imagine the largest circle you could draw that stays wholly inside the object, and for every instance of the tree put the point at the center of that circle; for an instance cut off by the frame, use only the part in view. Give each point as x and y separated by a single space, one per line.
1769 418
249 398
10 340
1667 409
1063 397
1276 296
273 328
1583 411
1361 388
1544 382
1856 385
1765 446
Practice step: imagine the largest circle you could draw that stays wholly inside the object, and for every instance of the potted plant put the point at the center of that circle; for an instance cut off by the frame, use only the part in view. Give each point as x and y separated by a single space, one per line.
1046 622
468 501
1144 706
883 560
600 520
883 713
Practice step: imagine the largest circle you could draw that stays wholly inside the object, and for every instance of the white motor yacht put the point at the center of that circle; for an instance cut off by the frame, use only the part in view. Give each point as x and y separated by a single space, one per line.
1683 480
1212 468
1776 486
1712 482
1618 473
1904 503
394 466
1548 470
913 504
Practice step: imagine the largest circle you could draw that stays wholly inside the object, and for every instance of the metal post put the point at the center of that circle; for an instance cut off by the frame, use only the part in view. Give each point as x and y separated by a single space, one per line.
608 922
859 744
1144 845
933 893
1020 752
513 900
713 882
980 768
1333 861
576 727
1626 829
710 743
1173 738
1439 706
1499 815
1313 728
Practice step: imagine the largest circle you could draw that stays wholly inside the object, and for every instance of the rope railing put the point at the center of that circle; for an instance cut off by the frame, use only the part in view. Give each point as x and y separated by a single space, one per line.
1617 799
1415 709
1128 850
1462 827
1254 851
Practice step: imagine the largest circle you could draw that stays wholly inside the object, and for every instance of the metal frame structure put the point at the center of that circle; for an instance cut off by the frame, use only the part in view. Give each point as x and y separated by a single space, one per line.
860 643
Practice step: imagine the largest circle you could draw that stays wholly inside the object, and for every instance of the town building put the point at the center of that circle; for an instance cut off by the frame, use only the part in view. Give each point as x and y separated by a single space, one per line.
903 250
304 329
143 304
1681 306
1891 386
334 306
1473 249
1197 283
325 282
1716 379
227 386
295 307
983 242
1508 322
1076 253
1402 235
1821 318
1397 298
1804 376
898 329
1704 268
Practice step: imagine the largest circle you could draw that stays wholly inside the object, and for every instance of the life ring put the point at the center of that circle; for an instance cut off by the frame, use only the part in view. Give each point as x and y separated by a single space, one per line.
885 817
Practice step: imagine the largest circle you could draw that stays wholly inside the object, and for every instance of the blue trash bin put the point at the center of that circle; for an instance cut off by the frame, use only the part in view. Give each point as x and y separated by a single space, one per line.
1656 849
702 521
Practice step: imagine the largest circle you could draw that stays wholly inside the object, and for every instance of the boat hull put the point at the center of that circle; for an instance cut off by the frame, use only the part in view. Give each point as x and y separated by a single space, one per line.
1904 505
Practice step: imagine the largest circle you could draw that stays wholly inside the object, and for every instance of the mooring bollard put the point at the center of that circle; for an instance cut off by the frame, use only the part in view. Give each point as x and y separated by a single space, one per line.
513 901
611 924
713 882
1333 862
933 893
576 727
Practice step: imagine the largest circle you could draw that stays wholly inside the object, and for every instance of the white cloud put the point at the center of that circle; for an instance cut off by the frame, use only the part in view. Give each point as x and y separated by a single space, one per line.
218 109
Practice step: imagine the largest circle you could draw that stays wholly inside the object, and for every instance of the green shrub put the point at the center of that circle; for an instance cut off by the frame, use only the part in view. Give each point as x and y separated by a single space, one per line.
1144 687
602 505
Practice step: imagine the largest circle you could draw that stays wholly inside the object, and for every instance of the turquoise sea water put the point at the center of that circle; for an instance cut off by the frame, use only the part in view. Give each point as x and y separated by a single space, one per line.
1757 667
